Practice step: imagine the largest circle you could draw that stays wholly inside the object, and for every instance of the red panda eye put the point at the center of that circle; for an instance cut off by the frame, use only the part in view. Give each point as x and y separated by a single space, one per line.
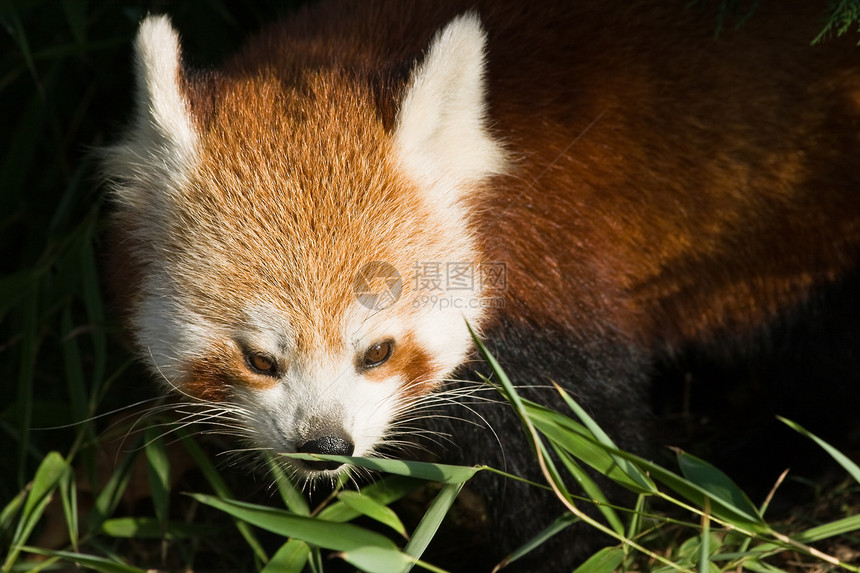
377 354
261 364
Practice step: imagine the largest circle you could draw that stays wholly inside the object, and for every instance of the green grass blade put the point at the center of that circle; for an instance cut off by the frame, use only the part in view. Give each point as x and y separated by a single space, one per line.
217 483
591 489
69 497
91 562
429 524
293 498
365 549
45 481
7 516
371 508
73 369
716 483
93 301
431 472
25 386
385 491
158 471
761 567
112 491
639 477
560 523
827 530
705 539
606 560
290 558
852 468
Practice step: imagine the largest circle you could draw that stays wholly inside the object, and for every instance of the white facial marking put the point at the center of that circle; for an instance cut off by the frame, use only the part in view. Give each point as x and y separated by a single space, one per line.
160 100
161 148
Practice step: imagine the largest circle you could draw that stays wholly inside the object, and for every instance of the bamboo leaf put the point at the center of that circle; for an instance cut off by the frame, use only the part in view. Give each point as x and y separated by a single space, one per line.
376 559
368 506
603 438
385 491
158 470
290 558
726 511
716 483
591 489
575 439
293 498
852 468
220 488
92 562
606 560
429 524
365 549
560 523
427 471
48 475
152 528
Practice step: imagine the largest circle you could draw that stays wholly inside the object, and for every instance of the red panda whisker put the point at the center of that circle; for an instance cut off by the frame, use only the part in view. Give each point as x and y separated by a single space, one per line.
399 441
110 413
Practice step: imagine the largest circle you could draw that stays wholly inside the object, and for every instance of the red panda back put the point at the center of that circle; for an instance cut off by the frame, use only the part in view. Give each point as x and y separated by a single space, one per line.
674 185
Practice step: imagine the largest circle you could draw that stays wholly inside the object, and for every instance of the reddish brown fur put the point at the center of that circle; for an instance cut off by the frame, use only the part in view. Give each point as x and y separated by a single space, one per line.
665 185
669 183
208 376
414 365
288 135
688 215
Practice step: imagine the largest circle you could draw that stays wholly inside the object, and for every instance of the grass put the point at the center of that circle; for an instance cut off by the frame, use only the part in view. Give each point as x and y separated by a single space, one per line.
80 484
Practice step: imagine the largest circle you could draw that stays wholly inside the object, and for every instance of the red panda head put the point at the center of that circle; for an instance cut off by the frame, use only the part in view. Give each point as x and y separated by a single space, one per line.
281 238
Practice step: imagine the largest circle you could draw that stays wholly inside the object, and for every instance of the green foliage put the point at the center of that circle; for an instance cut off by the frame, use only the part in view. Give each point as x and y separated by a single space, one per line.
727 532
843 15
840 17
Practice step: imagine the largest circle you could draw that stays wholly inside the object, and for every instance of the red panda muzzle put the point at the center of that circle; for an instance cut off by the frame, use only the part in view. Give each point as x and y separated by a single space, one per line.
331 445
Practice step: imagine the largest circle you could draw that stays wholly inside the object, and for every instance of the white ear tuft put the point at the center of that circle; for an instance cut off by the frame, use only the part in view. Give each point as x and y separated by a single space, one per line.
441 129
161 146
161 104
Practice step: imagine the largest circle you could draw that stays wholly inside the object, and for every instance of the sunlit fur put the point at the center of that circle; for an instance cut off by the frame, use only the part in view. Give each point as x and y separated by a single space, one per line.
648 188
233 258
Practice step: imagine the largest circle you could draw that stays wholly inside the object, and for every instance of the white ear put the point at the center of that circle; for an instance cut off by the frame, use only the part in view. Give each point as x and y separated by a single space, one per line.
441 129
161 104
162 143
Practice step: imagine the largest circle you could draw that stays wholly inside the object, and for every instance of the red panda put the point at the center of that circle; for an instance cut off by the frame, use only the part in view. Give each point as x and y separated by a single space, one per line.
303 236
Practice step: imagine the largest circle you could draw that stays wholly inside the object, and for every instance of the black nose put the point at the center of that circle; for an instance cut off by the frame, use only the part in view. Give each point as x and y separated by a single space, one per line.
332 445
